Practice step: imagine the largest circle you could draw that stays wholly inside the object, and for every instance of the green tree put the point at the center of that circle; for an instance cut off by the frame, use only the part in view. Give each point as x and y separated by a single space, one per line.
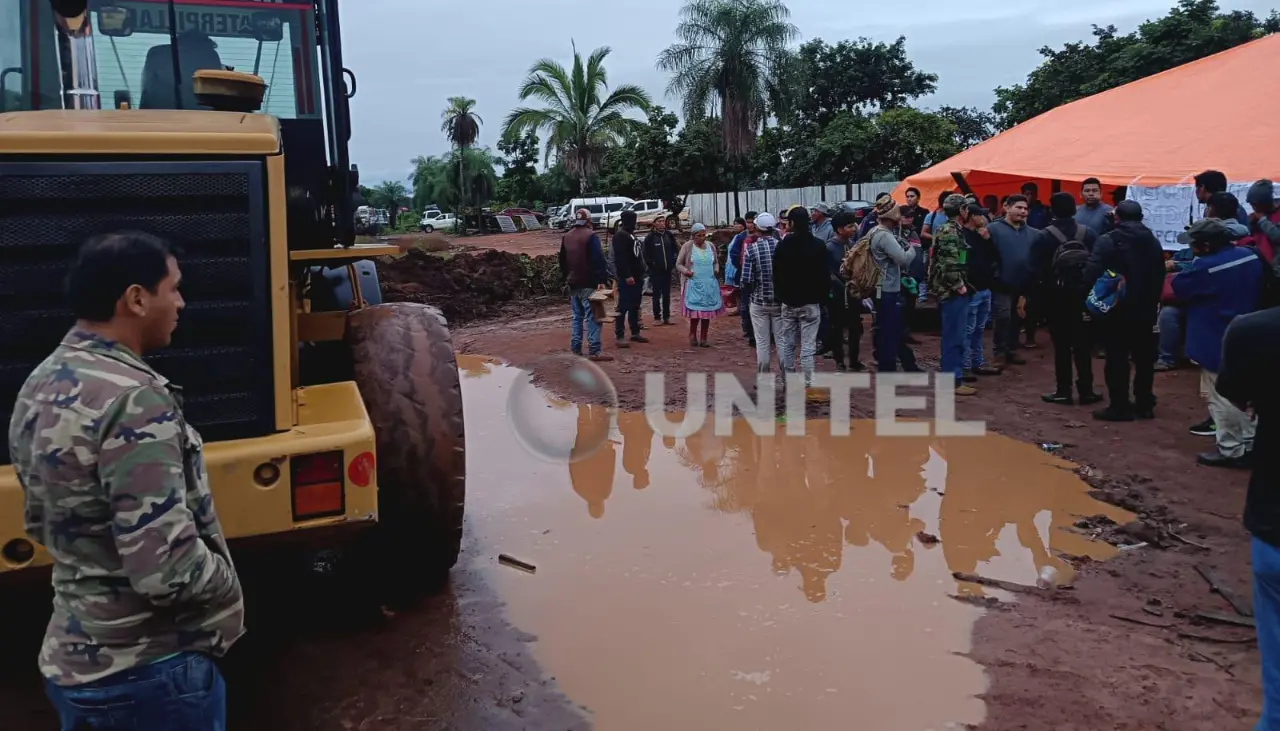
461 125
519 182
390 195
972 125
824 80
579 121
557 184
435 179
723 62
908 140
1193 29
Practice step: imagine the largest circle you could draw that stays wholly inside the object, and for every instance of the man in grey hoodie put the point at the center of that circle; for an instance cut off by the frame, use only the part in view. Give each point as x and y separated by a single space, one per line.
1013 239
892 257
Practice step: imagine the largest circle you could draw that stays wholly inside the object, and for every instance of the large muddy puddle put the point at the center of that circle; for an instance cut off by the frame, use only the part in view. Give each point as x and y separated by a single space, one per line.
748 582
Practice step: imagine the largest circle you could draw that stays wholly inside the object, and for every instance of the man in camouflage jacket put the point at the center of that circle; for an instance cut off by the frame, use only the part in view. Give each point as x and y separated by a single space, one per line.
116 490
949 281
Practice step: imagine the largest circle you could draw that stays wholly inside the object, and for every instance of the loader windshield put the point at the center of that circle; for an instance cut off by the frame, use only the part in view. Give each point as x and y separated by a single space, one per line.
133 56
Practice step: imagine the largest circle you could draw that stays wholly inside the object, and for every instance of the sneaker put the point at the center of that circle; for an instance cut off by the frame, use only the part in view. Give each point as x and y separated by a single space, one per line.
1014 359
840 368
815 395
1088 399
858 366
576 352
1218 459
910 340
1205 428
600 357
963 390
1113 414
1145 413
1061 399
1162 366
986 370
623 344
639 339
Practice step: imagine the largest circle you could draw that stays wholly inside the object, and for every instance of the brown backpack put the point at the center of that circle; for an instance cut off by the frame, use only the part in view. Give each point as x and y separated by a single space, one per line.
860 271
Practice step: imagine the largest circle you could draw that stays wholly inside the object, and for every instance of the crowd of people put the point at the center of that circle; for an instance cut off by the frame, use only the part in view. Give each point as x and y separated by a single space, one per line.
1011 266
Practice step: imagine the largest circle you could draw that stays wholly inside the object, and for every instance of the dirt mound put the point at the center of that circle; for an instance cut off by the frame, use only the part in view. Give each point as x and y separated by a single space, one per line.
426 242
469 286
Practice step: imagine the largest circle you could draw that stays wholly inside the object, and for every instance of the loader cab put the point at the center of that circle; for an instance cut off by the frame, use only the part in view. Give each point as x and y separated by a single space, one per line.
142 54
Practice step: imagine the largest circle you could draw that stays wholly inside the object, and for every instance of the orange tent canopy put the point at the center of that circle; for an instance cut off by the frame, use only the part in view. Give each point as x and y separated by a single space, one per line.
1164 129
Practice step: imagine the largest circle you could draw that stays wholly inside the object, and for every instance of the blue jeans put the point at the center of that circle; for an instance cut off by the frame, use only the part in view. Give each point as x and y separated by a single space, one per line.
1266 612
582 315
1171 321
955 331
183 693
979 313
890 348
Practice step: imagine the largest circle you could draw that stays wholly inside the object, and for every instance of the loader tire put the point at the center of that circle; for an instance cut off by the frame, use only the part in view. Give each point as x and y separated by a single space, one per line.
405 369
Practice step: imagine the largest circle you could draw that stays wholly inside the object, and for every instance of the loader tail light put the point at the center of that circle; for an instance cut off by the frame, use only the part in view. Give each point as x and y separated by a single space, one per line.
317 485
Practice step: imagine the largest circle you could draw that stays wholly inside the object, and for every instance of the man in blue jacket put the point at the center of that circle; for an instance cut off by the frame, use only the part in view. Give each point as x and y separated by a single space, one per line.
733 273
1223 281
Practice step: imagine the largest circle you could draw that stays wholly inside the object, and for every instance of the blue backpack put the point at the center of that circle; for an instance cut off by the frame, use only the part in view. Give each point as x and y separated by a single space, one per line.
1107 292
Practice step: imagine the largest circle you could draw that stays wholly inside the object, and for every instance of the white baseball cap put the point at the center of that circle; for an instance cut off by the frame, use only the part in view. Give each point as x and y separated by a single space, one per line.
766 221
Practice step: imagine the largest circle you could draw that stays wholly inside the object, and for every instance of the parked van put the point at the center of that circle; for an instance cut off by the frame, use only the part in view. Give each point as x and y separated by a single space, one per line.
600 208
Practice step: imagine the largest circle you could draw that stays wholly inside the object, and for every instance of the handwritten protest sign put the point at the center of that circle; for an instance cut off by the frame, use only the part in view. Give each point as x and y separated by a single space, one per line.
1169 209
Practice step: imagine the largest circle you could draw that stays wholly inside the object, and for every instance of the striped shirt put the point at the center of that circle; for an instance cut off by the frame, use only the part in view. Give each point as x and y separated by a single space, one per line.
757 270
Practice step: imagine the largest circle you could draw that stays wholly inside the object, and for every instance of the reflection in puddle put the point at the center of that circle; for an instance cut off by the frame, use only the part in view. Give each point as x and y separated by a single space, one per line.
654 610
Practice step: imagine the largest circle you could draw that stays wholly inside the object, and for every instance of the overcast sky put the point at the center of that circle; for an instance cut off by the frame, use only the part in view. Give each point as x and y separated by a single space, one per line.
410 56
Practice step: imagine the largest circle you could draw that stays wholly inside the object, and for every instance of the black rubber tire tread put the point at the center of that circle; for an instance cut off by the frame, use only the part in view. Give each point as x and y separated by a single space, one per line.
404 365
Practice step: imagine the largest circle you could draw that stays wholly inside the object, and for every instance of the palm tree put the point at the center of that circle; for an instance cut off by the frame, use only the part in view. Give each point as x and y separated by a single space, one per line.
724 63
577 120
461 125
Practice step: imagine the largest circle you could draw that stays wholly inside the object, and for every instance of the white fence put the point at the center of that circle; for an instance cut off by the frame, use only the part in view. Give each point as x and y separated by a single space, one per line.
716 209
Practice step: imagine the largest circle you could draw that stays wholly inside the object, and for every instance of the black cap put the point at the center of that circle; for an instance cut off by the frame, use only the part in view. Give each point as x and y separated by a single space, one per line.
977 210
1129 211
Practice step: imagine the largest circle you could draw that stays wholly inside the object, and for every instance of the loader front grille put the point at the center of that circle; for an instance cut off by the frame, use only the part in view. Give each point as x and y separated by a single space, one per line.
213 211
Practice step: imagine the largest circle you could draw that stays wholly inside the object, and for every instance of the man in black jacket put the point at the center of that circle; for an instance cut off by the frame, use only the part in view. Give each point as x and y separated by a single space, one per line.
983 272
660 253
1133 252
1060 254
801 279
628 260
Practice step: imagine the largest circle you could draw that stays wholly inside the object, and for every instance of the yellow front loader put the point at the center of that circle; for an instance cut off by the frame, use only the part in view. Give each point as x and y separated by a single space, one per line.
331 419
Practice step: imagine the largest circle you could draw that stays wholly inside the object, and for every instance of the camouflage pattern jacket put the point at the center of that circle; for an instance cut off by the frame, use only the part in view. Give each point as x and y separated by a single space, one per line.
116 491
948 261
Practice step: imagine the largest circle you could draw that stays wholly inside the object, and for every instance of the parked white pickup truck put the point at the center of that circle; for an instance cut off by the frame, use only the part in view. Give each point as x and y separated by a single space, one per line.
433 221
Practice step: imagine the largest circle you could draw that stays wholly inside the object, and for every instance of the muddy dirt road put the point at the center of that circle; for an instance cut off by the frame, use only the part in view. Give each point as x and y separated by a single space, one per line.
741 581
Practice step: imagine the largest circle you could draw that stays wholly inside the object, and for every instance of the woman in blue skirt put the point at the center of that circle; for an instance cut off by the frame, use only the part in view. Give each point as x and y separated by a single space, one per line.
701 291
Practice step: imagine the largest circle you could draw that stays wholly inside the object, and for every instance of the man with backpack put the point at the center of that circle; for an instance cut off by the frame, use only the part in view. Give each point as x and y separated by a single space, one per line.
891 256
1134 254
948 278
846 311
1061 253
